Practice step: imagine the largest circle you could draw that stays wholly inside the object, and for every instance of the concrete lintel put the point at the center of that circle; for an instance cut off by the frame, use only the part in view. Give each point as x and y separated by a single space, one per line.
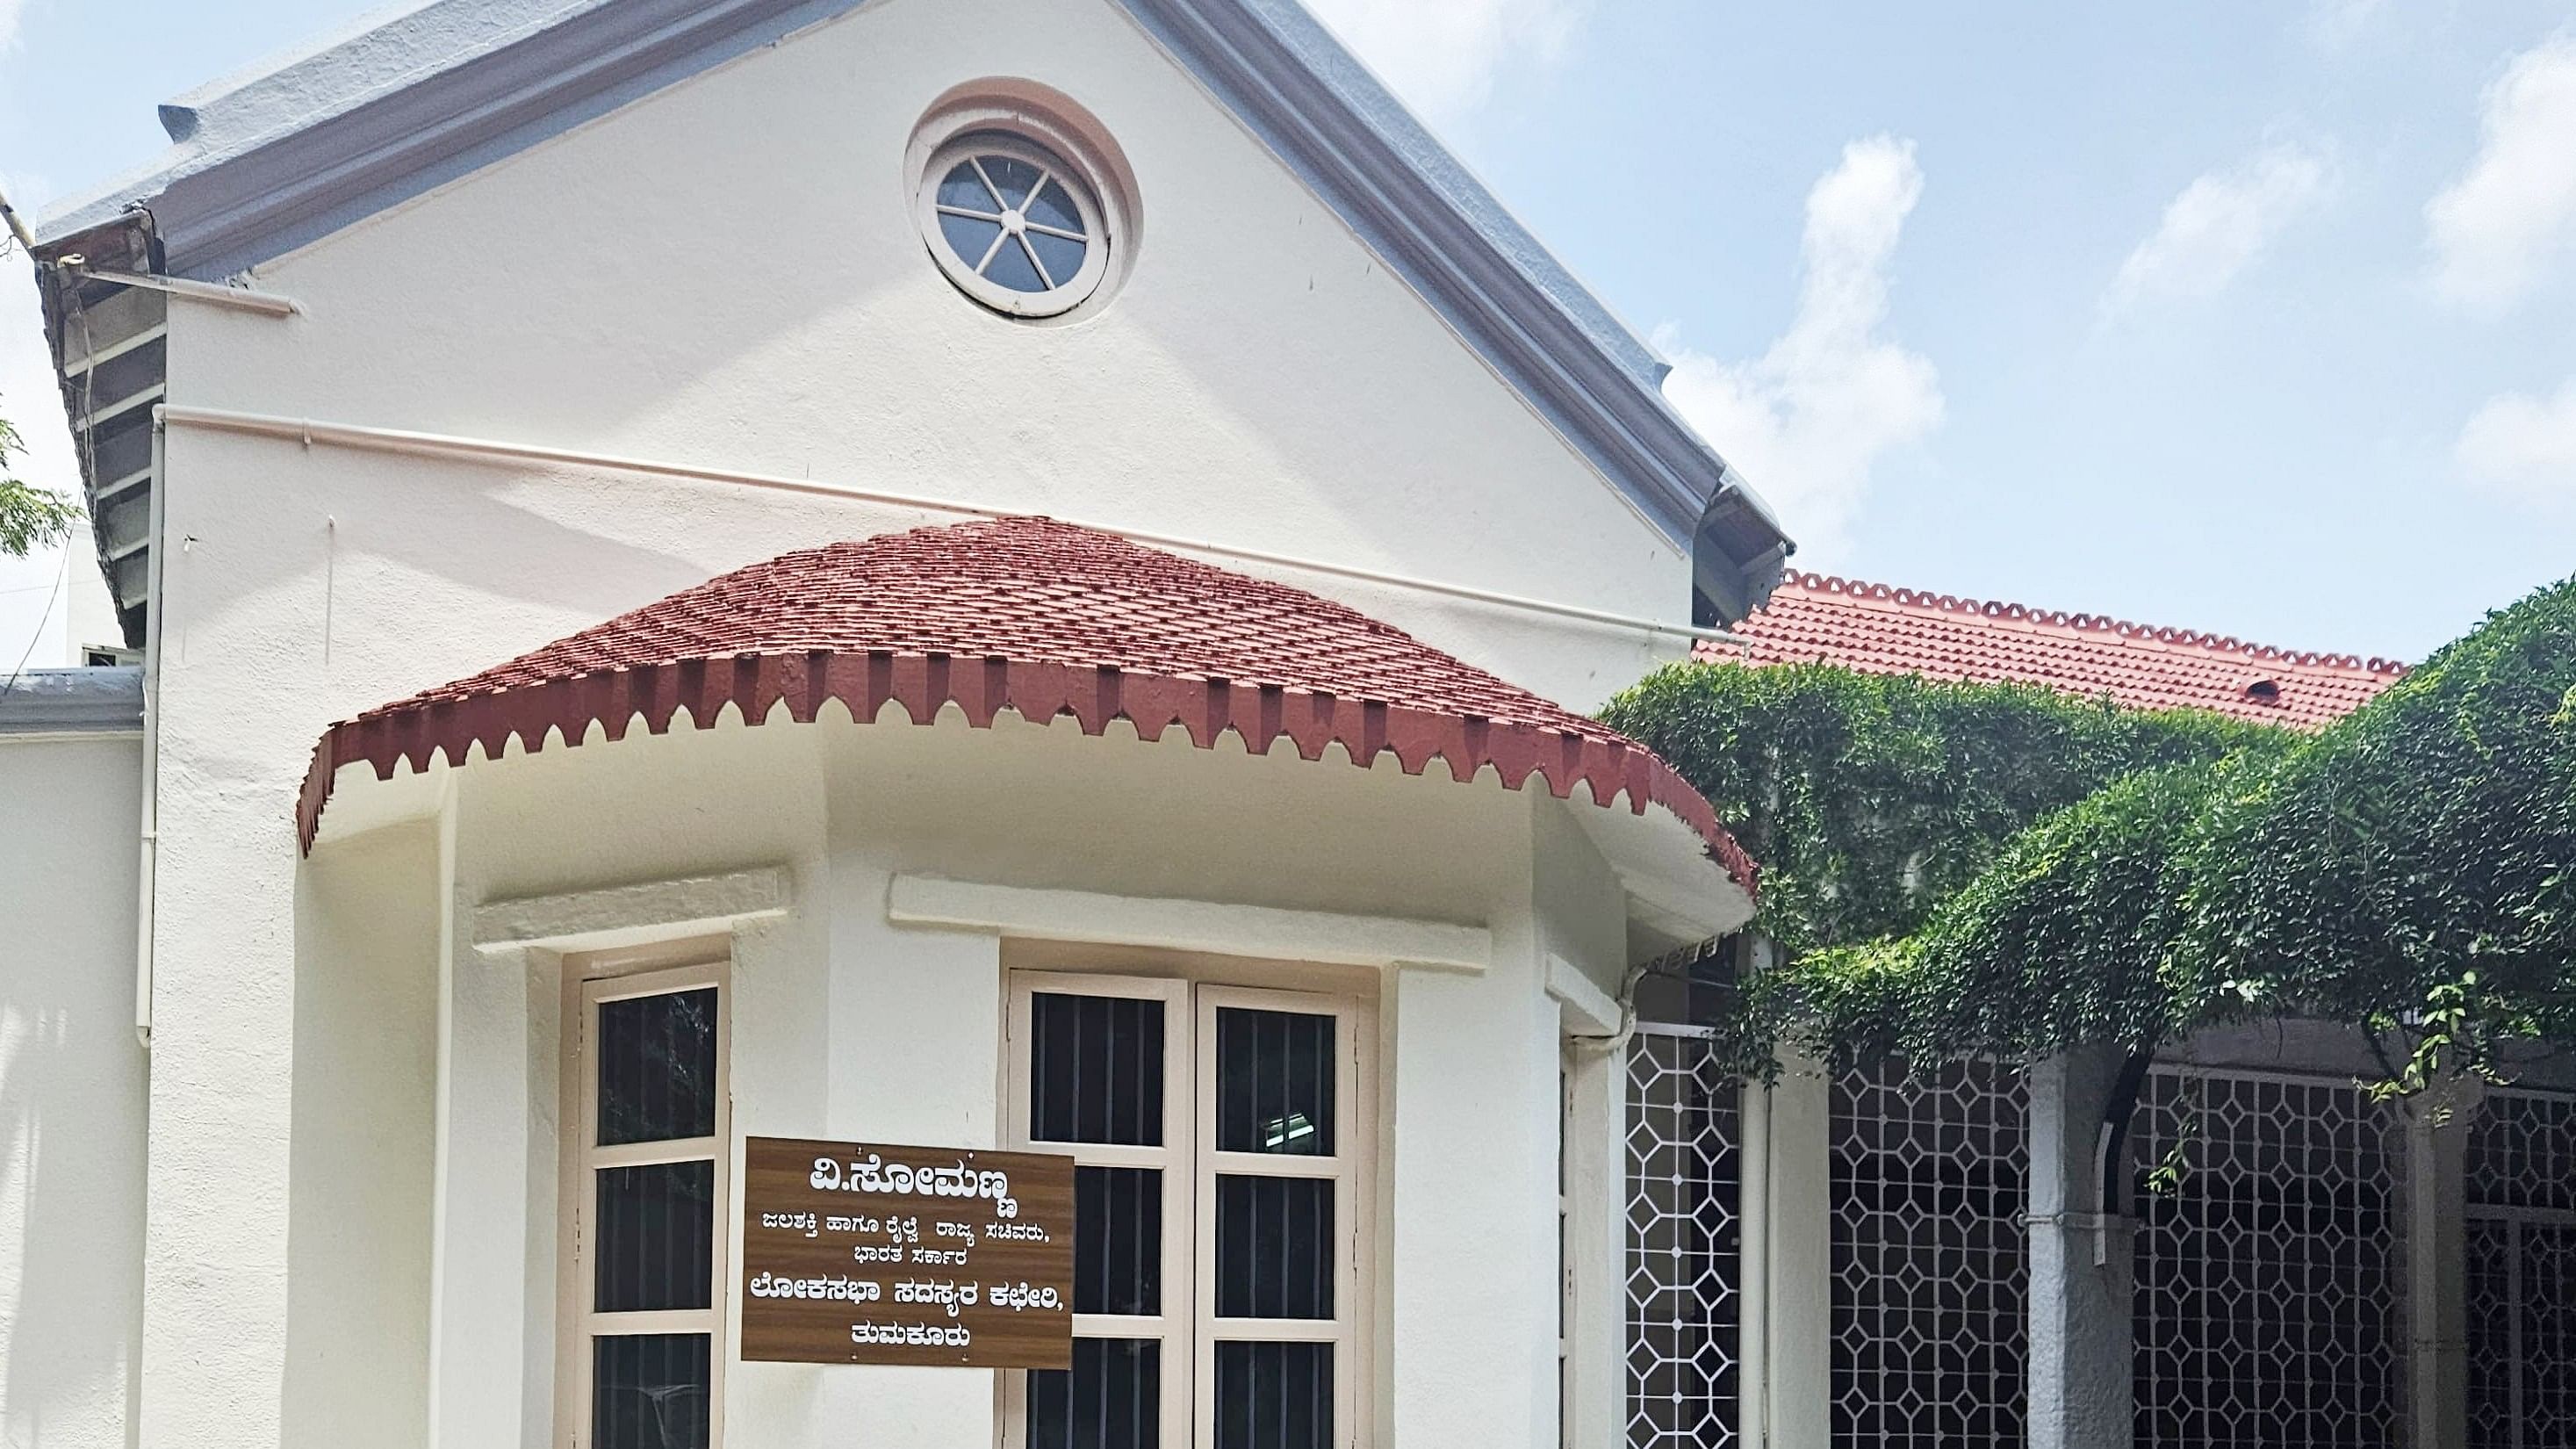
627 915
1327 937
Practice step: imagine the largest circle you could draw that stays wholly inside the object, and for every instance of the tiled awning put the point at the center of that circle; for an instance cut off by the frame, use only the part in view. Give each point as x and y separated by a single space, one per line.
1039 618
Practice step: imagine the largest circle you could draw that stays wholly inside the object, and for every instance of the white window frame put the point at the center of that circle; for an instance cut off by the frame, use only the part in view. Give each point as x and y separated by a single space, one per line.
587 987
1188 1327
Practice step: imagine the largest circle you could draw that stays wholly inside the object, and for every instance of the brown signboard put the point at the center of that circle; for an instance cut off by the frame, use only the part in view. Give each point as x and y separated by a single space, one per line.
855 1253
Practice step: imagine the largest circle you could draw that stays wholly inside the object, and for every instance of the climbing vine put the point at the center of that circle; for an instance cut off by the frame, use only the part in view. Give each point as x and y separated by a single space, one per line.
1956 869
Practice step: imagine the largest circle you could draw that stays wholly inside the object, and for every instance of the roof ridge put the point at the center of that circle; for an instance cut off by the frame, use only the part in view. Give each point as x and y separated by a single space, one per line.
1865 592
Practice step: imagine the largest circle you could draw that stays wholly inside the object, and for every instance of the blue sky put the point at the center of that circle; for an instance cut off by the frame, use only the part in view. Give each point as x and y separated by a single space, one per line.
2251 317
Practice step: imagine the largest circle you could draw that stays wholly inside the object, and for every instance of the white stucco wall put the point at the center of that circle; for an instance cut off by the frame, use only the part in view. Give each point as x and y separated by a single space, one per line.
727 272
71 1094
849 1024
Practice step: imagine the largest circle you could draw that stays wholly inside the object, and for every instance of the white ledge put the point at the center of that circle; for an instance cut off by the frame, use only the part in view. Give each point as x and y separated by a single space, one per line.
1326 937
1591 1006
633 914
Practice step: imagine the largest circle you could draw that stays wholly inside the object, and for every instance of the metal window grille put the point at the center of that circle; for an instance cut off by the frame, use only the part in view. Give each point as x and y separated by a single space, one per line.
2267 1282
1931 1274
2521 1282
1684 1238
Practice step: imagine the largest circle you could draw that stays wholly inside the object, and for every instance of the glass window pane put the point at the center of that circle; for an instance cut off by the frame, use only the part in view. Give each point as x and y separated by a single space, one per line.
657 1067
1274 1395
1012 268
1274 1082
1011 177
1053 206
654 1237
1063 258
1274 1247
962 187
1096 1069
649 1391
969 237
1117 1240
1112 1398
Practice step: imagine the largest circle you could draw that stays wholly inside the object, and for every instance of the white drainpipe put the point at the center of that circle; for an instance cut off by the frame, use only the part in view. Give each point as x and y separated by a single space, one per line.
150 847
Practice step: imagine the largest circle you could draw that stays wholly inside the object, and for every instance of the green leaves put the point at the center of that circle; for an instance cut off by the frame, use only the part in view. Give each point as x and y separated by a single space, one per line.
1958 869
30 517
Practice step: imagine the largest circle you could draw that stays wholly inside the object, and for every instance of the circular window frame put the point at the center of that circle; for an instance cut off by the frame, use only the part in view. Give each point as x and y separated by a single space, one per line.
1056 300
1033 123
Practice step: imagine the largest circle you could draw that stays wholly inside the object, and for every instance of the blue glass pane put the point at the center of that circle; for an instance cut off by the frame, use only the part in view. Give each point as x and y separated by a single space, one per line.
649 1391
1012 178
1274 1082
1063 259
1274 1395
657 1067
655 1237
962 187
968 237
1012 268
1111 1399
1054 207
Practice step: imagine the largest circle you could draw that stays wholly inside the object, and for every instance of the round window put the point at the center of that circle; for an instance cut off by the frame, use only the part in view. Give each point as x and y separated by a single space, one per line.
1013 225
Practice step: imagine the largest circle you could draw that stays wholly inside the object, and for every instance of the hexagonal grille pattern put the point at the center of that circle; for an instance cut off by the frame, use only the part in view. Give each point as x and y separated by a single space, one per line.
1684 1313
2522 1272
1930 1335
2267 1280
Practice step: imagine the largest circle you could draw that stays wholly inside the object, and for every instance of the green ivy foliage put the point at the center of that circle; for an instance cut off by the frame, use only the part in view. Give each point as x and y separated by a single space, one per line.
1871 798
2411 870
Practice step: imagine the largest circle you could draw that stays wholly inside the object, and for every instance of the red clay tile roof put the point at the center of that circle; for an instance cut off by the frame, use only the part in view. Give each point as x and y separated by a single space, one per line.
1883 630
1035 616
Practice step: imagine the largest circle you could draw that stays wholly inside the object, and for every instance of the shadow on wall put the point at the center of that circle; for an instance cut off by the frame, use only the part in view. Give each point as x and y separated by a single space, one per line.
72 1095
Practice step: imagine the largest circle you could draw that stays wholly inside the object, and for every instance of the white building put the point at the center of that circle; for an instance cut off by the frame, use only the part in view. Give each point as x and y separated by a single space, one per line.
729 569
503 318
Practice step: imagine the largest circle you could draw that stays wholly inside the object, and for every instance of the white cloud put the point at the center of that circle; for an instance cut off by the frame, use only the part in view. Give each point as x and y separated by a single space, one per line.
2219 225
1442 55
2338 23
2524 446
2495 230
1808 421
10 13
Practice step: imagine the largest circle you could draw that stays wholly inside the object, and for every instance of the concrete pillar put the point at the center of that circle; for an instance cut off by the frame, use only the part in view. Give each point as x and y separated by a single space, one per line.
2082 1268
2437 1359
1788 1260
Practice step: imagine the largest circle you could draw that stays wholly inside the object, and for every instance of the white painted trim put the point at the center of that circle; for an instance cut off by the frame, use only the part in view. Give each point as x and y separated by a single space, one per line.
631 915
1595 1013
1325 937
405 442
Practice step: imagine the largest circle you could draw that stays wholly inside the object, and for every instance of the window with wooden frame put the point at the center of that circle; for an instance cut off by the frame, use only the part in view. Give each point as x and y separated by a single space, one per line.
645 1193
1221 1137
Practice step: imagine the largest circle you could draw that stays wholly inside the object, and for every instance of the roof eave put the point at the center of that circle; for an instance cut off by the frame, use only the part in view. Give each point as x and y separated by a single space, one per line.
225 202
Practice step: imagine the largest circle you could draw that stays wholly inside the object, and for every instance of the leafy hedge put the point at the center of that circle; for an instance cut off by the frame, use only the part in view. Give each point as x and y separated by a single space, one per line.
1871 798
2411 869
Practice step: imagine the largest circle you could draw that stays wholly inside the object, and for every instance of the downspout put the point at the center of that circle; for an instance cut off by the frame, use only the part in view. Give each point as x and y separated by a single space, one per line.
149 837
2111 1144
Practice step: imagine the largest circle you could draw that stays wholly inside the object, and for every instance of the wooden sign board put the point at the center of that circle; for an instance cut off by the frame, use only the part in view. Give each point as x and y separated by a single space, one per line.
853 1253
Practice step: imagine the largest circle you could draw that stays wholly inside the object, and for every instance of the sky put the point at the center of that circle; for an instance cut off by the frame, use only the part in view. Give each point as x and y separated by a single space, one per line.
2248 316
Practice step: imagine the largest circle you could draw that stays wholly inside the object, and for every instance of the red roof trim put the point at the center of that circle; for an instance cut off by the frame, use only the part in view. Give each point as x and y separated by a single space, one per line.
1858 589
1877 629
450 722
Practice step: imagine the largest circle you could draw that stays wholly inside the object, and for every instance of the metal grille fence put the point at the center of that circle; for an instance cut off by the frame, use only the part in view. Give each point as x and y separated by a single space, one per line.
1685 1312
1930 1335
2267 1278
2522 1272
